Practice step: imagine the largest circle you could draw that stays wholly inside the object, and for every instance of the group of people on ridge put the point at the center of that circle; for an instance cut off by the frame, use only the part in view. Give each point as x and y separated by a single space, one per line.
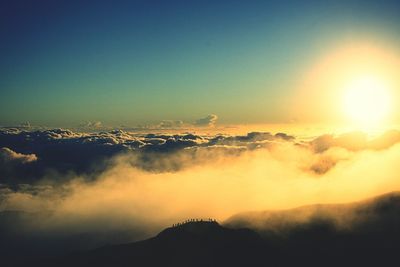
193 220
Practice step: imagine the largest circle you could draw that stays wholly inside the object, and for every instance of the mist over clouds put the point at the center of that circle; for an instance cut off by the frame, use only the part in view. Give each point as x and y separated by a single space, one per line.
60 188
93 180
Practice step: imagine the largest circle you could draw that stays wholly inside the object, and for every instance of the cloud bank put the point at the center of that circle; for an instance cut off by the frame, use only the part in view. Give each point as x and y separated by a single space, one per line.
124 180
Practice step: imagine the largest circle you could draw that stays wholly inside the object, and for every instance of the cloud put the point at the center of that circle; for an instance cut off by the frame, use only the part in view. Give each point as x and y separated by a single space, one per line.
355 141
26 125
171 124
208 121
323 162
366 222
350 141
87 190
14 165
9 156
65 151
147 181
91 125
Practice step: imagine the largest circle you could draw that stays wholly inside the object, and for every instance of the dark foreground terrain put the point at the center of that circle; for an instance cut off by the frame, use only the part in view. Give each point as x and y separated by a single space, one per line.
371 238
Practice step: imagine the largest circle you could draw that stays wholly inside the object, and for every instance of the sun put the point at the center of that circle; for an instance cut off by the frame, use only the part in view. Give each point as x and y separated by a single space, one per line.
367 101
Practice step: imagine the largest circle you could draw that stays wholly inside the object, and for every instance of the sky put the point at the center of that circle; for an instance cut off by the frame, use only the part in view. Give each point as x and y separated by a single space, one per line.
137 62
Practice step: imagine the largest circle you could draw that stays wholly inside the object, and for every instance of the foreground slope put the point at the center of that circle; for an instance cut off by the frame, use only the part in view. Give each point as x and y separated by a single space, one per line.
358 234
190 244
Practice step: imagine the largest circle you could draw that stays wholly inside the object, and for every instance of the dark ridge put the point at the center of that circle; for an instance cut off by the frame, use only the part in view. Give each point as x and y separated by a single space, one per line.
373 240
378 207
201 243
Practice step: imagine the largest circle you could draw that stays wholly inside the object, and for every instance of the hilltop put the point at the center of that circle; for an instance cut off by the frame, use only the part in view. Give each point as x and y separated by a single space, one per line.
372 239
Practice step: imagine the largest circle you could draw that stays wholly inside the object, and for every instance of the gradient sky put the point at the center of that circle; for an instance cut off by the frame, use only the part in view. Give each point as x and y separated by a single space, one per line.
134 62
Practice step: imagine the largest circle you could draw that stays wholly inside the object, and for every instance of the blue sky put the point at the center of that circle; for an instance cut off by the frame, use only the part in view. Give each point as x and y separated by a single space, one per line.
135 62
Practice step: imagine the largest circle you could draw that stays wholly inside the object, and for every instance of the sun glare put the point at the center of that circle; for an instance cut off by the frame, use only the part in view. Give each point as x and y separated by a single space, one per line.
367 101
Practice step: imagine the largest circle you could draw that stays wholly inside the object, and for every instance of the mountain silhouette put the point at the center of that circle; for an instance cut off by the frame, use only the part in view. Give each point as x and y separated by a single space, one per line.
191 244
371 238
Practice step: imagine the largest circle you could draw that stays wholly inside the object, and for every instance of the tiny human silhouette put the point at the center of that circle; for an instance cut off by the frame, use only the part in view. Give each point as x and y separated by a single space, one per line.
187 221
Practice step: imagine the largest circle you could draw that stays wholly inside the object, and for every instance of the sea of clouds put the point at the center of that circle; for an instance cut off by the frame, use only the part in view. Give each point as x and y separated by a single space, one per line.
79 182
